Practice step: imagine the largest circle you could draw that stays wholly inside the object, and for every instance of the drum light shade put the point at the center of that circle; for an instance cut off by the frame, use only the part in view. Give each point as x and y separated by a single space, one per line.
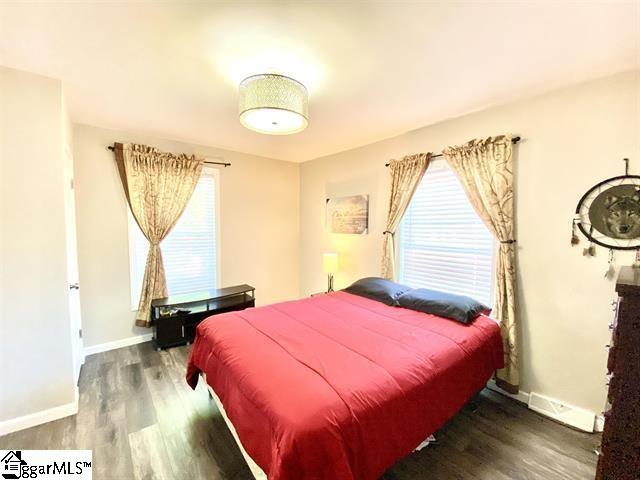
273 104
330 262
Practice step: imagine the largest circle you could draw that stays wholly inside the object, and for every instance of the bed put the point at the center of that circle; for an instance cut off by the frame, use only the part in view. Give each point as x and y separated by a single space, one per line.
339 386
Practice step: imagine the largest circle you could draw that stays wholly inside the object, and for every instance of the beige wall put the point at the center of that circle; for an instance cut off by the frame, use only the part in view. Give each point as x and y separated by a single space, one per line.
572 139
272 229
36 371
259 227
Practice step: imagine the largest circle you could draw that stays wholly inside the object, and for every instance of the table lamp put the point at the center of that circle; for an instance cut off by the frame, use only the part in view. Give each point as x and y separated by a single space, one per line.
330 266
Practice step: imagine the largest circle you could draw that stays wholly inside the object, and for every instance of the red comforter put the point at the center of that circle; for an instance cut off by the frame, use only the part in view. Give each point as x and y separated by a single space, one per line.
338 386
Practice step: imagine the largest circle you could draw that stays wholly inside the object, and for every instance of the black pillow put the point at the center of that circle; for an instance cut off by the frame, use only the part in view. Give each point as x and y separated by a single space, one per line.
448 305
379 289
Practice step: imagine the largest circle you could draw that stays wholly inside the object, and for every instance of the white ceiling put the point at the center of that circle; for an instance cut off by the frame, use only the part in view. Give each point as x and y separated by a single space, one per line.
373 69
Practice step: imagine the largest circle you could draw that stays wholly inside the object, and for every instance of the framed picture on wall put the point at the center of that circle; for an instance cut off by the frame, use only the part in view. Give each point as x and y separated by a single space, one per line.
348 214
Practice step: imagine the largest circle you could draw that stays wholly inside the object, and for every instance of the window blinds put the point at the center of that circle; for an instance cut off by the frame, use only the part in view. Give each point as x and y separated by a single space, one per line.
443 244
189 251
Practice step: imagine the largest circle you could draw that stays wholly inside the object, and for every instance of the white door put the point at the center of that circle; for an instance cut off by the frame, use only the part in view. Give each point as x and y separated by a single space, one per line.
72 265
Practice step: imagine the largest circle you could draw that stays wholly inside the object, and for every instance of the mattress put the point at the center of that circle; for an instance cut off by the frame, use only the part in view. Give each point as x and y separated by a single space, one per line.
338 386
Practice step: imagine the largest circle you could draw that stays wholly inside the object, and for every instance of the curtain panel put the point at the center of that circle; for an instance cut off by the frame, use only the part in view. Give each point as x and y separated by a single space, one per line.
158 186
485 169
405 177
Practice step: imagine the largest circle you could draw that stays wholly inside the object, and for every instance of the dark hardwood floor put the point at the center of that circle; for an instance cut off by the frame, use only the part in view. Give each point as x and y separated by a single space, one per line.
143 422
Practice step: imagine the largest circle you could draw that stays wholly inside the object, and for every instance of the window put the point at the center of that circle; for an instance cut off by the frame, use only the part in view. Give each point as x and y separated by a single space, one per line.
443 244
189 251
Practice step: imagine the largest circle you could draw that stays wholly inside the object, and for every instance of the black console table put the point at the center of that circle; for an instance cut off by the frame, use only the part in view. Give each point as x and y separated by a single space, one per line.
175 318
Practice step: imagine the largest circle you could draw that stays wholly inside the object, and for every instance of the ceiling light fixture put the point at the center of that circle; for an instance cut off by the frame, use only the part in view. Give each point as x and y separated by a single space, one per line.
273 104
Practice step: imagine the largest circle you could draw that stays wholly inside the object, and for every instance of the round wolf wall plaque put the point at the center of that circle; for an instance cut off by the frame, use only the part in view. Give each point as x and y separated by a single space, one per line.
608 214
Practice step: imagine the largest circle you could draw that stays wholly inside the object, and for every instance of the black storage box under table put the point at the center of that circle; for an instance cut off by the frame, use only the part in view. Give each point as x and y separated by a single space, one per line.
175 318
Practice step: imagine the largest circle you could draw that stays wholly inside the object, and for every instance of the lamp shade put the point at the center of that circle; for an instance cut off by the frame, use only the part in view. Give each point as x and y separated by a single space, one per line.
273 104
330 262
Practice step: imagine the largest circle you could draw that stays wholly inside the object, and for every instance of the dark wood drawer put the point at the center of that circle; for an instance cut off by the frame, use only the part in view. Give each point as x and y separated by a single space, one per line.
169 331
620 450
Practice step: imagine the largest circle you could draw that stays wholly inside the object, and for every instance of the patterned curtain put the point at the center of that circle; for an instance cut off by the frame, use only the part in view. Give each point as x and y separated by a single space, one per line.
405 177
158 186
485 168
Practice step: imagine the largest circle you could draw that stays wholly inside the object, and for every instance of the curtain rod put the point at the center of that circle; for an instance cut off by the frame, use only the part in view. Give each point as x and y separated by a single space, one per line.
225 164
514 140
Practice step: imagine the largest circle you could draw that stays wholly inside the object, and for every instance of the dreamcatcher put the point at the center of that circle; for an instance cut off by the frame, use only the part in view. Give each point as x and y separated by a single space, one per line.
608 214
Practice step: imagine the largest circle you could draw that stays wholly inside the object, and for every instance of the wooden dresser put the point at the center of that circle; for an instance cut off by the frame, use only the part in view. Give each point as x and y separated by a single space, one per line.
620 451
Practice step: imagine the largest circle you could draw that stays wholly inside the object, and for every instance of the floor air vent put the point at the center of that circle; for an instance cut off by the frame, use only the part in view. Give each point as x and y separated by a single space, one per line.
567 414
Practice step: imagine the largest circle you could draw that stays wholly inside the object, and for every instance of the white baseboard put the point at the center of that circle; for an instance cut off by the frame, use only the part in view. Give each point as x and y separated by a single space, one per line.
599 426
55 413
522 397
38 418
125 342
563 413
568 414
